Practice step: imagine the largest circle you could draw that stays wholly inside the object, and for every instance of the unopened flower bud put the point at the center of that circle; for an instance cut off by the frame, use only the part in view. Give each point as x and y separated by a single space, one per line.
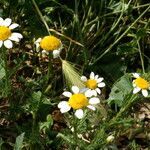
110 138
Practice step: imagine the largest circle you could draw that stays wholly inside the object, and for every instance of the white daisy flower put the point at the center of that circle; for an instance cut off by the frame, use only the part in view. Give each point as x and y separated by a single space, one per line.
93 84
6 34
49 43
78 101
140 84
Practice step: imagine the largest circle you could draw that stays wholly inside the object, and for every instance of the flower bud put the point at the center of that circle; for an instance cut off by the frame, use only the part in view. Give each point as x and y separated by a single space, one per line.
110 139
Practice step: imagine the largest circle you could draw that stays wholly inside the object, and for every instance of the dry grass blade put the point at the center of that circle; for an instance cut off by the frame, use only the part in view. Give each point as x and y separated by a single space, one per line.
68 38
71 74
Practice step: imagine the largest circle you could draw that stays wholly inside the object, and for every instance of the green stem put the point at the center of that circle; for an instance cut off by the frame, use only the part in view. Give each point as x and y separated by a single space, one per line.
80 34
49 72
75 133
112 13
122 12
139 49
34 131
125 32
32 144
142 61
33 122
124 109
41 16
115 24
7 80
116 12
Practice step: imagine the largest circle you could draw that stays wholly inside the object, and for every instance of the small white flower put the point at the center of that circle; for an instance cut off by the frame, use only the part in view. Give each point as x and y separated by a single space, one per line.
49 43
78 101
6 35
93 84
140 84
110 138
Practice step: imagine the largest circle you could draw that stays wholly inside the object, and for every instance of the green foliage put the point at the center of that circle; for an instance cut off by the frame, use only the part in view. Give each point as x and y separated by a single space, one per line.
1 143
46 125
19 142
35 101
120 90
2 71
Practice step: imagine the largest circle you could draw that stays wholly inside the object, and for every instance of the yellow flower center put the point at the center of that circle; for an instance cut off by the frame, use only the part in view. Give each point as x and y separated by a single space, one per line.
141 83
5 33
50 43
91 83
78 101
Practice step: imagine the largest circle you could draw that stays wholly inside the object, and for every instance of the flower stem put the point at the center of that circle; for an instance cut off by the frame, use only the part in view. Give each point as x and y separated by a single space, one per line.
7 81
49 72
129 102
85 52
75 133
142 61
41 16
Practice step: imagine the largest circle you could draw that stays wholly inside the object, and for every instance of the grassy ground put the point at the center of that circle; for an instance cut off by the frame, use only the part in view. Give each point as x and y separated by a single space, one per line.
109 38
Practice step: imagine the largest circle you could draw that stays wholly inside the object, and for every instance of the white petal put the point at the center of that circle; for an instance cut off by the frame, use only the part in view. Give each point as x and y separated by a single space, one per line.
45 52
84 78
64 110
1 21
96 77
38 40
94 93
136 75
136 90
18 35
13 26
91 107
6 22
134 85
8 44
98 90
1 43
64 106
83 90
99 80
37 46
13 38
102 84
56 53
94 100
92 75
145 93
67 94
88 93
79 113
75 89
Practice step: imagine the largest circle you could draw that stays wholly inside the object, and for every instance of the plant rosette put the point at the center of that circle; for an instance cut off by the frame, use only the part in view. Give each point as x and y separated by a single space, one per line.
77 101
